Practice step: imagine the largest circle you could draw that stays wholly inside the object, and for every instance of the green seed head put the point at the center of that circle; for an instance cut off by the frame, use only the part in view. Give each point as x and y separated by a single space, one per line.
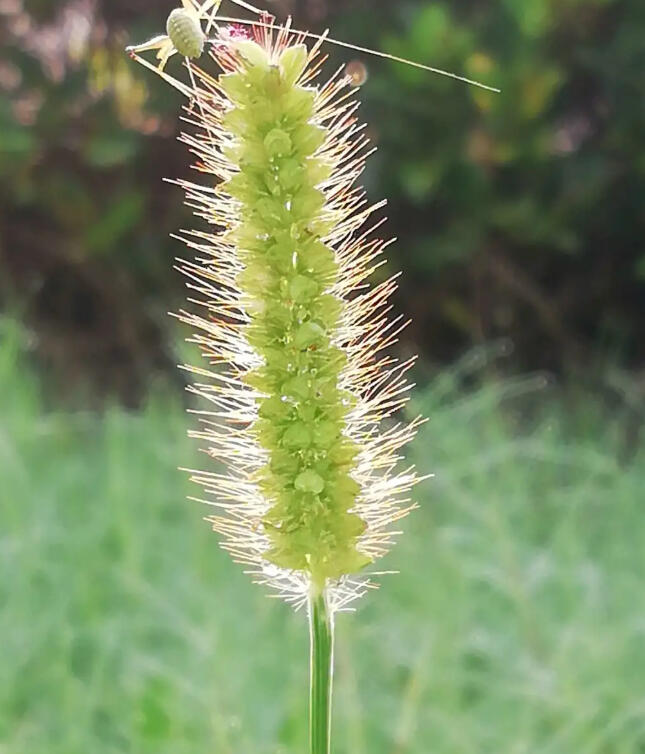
302 391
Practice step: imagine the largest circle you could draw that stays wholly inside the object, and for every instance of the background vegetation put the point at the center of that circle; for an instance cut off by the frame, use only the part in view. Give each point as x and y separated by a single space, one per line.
519 215
516 625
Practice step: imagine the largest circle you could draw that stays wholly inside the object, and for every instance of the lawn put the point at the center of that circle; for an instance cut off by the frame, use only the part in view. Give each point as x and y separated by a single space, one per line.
516 624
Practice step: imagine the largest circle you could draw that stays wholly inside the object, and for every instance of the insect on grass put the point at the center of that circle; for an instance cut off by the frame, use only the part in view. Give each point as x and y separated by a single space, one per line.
184 33
185 36
304 395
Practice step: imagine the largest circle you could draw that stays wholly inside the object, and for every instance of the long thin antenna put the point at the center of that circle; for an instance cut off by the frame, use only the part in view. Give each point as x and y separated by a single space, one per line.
366 50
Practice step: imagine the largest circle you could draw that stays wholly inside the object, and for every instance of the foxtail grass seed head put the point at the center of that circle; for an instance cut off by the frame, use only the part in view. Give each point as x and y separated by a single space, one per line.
302 389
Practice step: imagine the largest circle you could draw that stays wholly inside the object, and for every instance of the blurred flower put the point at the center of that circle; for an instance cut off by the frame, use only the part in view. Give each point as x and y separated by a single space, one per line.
63 42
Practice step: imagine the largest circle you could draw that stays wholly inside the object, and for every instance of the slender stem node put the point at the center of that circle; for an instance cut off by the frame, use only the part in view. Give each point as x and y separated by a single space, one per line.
321 633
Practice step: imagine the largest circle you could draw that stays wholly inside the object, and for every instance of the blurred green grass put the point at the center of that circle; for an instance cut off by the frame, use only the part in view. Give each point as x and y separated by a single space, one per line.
516 624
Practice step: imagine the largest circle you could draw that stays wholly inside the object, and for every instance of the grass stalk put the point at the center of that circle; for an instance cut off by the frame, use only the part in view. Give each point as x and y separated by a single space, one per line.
321 633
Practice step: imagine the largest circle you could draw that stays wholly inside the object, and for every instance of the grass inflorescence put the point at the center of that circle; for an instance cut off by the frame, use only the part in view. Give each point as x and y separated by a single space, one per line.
301 384
301 381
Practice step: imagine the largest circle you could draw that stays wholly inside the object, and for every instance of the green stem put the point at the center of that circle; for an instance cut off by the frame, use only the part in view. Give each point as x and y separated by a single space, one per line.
321 633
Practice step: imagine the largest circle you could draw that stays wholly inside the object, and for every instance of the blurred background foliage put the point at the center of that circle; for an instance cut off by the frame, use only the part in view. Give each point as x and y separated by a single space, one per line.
519 215
516 625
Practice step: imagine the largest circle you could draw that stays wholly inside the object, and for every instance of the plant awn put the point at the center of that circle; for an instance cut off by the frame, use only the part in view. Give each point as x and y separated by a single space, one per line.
186 37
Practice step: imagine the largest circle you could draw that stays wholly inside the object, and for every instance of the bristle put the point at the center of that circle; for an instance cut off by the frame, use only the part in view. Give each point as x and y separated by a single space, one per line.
292 508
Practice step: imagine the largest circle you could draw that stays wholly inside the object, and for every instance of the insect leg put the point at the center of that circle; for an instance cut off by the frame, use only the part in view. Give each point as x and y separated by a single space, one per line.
210 4
156 43
252 8
205 7
164 54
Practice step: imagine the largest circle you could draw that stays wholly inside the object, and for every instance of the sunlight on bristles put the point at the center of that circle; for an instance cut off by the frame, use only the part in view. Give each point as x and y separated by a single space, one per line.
304 391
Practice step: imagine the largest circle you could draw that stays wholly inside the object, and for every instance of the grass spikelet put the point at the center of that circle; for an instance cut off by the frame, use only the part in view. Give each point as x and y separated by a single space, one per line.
301 382
301 386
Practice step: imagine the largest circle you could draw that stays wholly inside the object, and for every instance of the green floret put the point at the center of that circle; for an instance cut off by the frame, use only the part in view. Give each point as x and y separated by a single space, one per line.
288 273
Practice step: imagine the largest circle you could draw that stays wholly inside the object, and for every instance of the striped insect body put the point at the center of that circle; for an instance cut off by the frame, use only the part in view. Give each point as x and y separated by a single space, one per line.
185 33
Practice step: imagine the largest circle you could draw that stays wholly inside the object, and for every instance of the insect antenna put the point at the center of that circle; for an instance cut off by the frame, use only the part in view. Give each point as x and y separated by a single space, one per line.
358 48
241 3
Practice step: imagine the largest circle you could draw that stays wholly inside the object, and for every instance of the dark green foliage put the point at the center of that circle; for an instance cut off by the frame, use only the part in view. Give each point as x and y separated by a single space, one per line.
521 213
518 214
